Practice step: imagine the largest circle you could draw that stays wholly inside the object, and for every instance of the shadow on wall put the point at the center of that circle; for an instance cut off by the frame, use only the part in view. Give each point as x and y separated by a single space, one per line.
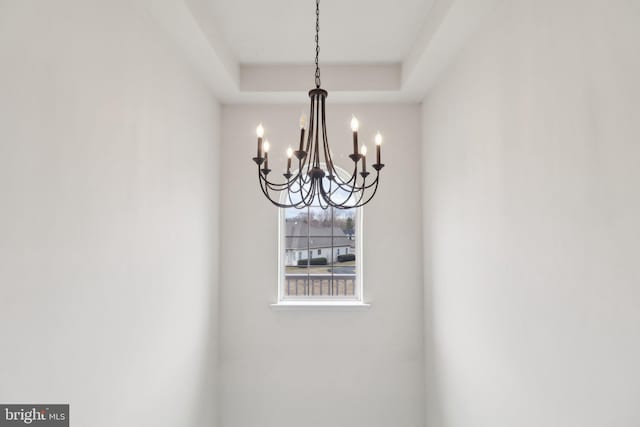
433 402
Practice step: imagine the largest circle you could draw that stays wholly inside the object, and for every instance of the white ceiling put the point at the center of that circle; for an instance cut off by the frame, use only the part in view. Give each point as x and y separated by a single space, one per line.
353 31
251 51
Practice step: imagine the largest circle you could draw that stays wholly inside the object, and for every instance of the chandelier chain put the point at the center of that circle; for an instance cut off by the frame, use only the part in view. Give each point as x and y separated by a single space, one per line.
317 43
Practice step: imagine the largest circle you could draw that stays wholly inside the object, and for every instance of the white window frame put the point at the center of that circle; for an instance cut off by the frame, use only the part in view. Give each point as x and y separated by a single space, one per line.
318 302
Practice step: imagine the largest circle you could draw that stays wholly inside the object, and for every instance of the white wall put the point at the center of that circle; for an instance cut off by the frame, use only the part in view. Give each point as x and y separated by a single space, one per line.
312 368
108 218
532 200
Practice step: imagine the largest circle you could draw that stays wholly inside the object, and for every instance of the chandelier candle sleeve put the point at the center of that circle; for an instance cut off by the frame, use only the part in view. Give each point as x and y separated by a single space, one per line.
363 151
378 140
354 128
265 147
303 120
260 133
289 154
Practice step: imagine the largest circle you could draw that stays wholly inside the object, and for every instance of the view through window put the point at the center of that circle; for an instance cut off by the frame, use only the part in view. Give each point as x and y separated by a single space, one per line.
320 253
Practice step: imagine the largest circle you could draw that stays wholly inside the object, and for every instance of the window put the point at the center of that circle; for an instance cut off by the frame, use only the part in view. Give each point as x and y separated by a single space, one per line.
333 237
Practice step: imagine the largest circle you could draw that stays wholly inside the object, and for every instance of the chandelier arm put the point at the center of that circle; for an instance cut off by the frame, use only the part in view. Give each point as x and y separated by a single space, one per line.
323 126
312 126
306 179
328 195
307 196
350 190
325 142
263 187
334 187
306 162
362 191
275 186
292 190
352 180
345 204
280 186
297 205
321 198
357 203
375 182
329 160
316 145
364 185
347 186
334 204
327 198
266 185
344 186
299 175
313 192
300 202
333 190
265 191
338 178
373 193
286 186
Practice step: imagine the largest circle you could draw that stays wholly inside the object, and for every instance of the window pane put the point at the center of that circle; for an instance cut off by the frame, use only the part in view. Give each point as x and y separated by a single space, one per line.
343 268
295 250
345 220
322 251
296 222
323 230
320 219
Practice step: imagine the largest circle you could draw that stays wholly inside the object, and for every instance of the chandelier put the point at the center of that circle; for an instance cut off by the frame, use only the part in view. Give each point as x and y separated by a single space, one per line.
317 180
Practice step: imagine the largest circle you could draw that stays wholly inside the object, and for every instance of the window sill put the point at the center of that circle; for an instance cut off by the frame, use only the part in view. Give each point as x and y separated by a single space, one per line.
321 306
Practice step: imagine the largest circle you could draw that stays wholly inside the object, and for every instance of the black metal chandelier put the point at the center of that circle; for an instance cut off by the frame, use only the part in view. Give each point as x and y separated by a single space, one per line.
317 180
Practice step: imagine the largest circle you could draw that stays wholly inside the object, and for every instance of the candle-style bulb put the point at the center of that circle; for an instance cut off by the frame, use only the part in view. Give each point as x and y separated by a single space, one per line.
363 150
303 121
354 124
289 155
260 131
378 139
266 146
